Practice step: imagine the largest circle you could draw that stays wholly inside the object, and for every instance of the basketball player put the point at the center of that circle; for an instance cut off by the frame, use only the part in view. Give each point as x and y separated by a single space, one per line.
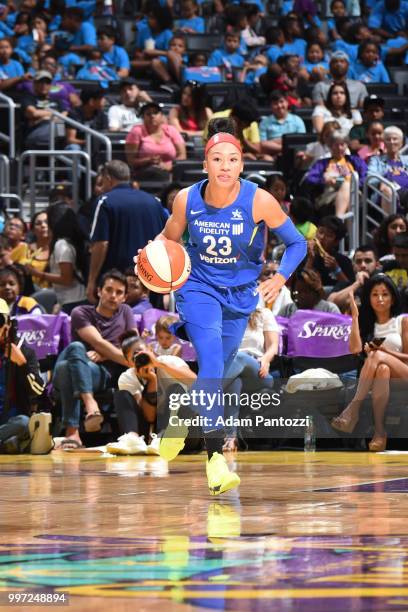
226 219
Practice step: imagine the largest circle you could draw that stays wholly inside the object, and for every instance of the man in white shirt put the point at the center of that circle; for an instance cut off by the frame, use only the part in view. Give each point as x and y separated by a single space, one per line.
122 117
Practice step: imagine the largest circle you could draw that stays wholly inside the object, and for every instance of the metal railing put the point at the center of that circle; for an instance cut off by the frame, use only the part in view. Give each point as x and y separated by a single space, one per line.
12 209
9 138
4 174
352 217
372 196
58 119
73 167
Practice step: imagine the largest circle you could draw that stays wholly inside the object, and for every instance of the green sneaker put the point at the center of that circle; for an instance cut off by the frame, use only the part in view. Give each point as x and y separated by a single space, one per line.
220 479
172 441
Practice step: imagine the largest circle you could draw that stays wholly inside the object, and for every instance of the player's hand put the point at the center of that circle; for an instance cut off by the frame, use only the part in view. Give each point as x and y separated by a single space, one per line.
270 288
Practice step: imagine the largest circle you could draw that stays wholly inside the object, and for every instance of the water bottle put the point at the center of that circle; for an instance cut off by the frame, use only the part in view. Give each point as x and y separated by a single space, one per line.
310 436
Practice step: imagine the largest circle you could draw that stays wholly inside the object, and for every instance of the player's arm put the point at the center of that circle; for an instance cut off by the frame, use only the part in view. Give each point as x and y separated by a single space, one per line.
177 222
267 209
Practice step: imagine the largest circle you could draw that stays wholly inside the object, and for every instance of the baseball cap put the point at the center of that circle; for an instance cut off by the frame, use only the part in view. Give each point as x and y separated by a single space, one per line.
42 74
148 106
339 55
373 100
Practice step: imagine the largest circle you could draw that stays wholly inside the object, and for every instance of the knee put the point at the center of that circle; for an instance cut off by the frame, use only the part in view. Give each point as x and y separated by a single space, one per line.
383 371
75 349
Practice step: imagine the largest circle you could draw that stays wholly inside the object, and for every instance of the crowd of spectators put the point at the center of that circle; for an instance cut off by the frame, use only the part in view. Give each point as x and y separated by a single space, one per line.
308 69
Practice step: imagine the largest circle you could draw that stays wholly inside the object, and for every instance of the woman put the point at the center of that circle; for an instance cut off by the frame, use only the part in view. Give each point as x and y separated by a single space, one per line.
375 146
318 149
307 294
250 368
385 233
392 166
221 291
334 174
337 107
39 250
379 317
11 290
67 255
191 116
152 147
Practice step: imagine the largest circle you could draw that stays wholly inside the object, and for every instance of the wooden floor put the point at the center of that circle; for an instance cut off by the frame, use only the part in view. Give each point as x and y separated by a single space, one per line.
305 532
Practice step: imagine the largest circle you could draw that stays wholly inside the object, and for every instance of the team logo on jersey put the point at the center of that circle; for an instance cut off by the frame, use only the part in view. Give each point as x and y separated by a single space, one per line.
237 215
237 229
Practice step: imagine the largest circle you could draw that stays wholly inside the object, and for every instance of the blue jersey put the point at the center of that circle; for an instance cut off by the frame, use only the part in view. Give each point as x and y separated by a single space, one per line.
225 244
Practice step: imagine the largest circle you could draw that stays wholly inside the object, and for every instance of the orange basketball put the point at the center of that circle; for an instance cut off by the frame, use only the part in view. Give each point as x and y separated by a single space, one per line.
163 266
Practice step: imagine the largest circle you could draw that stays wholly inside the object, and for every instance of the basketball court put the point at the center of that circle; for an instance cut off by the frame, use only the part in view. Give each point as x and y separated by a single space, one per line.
305 531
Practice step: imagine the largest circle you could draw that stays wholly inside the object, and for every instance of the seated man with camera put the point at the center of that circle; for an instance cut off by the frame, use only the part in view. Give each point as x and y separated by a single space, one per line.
20 385
141 402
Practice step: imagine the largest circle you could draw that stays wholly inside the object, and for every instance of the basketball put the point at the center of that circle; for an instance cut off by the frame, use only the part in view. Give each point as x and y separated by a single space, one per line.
163 266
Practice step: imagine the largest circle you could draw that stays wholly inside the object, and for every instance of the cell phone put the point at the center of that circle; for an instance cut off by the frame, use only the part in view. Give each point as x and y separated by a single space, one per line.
377 341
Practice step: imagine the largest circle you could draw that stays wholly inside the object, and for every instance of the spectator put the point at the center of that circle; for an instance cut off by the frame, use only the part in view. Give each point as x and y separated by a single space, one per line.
375 135
37 111
249 34
191 115
11 71
355 34
319 149
315 68
228 56
24 385
152 147
397 268
384 235
253 69
79 34
337 108
284 298
90 113
365 264
294 41
369 68
167 196
307 294
125 220
153 36
339 66
67 256
277 186
142 398
11 290
137 295
373 110
334 174
324 255
15 231
112 54
122 117
302 214
39 251
5 252
165 342
246 117
60 91
389 18
379 317
93 360
280 122
392 166
190 22
261 339
168 66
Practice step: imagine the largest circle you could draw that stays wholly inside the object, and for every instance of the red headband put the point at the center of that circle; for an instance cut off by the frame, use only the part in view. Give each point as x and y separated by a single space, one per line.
222 137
